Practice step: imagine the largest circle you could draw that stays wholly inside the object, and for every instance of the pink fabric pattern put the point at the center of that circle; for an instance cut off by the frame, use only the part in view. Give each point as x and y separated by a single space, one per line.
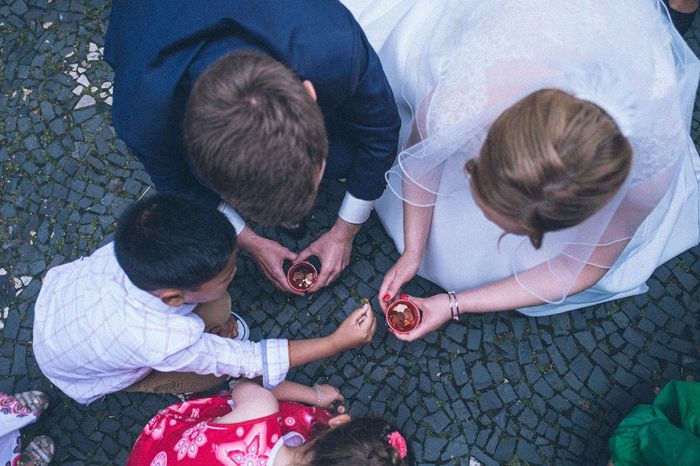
251 451
9 405
191 440
155 427
186 434
161 459
13 416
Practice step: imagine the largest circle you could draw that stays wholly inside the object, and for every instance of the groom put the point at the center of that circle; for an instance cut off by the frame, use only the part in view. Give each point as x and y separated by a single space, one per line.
251 102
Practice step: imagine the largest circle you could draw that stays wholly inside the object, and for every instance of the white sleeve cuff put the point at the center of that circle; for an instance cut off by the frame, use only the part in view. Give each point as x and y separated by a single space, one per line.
275 353
232 216
354 210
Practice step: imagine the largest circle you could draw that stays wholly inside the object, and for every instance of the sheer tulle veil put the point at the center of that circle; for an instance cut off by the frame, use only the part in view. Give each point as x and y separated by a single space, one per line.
456 65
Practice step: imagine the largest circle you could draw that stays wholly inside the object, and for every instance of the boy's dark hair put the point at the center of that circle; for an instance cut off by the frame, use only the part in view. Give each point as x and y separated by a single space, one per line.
360 442
256 137
169 241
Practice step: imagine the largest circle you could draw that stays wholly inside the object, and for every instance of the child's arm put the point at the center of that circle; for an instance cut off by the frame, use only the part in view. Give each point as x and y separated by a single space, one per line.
251 401
318 395
357 330
272 358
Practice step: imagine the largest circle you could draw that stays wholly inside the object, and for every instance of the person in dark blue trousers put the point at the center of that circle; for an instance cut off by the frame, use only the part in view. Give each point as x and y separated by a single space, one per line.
248 104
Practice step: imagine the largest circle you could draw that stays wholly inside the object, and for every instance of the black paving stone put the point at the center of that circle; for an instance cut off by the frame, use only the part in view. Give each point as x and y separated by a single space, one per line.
480 376
524 353
433 448
581 366
543 388
661 352
489 401
621 320
567 346
633 337
11 326
527 451
506 389
474 340
586 340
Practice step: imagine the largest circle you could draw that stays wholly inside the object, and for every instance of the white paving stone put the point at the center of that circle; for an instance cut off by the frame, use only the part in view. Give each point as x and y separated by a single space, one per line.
85 101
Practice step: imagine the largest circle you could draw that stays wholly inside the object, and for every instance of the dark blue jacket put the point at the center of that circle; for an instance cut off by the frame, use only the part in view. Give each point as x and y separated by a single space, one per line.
158 48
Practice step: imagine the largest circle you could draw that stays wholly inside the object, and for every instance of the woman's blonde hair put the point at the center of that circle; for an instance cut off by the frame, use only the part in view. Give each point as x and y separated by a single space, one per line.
549 162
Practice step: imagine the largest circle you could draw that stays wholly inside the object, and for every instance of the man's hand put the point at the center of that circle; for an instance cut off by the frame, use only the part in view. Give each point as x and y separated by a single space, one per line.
269 255
356 330
333 250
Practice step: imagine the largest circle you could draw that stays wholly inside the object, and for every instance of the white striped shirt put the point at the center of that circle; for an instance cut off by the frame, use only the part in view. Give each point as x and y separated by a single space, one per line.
96 333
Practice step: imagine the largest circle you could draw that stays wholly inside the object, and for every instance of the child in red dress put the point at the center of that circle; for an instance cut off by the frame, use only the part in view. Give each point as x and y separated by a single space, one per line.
255 427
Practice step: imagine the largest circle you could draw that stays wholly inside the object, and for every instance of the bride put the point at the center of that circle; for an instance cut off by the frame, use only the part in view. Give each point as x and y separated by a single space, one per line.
546 162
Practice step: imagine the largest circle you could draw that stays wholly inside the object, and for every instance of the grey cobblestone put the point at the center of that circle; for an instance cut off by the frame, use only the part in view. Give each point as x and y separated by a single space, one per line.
504 389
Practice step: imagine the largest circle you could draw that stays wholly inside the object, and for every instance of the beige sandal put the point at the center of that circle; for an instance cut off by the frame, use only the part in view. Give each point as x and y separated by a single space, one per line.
34 400
39 452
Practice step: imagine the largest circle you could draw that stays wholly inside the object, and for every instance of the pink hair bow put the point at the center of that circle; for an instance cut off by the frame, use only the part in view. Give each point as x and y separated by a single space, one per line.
397 441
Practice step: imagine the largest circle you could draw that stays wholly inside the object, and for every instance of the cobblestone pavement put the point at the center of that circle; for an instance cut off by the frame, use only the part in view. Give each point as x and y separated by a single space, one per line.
505 389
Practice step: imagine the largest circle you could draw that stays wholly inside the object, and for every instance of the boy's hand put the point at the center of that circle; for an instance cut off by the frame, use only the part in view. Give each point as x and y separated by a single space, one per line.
356 330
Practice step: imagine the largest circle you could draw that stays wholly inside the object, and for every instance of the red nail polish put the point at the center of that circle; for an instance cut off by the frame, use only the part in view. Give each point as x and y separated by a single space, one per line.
386 297
404 296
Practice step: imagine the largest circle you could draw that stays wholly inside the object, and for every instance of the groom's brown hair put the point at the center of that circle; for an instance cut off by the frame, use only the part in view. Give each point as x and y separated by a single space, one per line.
256 137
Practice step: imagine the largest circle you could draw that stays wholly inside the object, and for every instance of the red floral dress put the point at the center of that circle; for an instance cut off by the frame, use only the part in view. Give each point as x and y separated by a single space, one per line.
185 434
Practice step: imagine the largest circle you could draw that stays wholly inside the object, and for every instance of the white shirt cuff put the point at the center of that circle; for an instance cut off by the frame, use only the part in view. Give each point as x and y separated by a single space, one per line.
354 210
232 216
275 353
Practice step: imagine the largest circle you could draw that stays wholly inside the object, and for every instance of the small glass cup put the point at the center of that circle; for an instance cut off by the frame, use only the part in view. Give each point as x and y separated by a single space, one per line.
302 275
402 316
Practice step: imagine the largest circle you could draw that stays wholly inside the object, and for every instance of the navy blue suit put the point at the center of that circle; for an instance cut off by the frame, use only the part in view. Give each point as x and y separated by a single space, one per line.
158 49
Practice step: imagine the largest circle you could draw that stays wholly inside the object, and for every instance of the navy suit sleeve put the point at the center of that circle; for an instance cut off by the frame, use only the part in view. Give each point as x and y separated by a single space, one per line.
371 123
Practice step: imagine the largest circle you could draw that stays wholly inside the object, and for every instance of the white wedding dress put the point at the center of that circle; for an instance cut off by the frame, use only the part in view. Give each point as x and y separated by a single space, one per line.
455 65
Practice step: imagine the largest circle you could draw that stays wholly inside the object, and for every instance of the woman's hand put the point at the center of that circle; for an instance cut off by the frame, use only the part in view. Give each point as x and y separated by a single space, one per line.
436 311
398 275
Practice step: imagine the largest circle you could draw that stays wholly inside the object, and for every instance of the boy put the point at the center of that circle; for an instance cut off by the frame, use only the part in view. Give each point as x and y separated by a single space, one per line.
143 313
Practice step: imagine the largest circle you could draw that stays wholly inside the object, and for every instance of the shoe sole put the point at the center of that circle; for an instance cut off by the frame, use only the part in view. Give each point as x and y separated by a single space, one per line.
243 328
